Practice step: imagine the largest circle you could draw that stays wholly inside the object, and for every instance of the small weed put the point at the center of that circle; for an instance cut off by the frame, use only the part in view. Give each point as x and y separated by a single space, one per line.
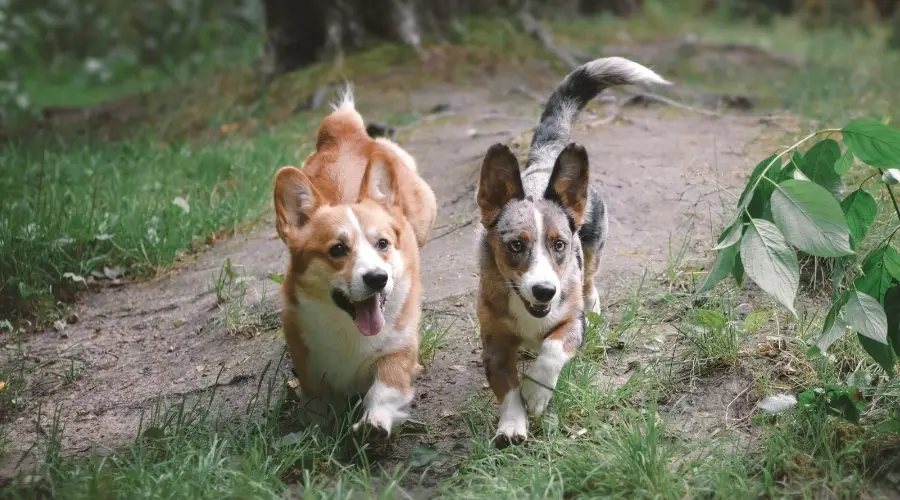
432 340
715 338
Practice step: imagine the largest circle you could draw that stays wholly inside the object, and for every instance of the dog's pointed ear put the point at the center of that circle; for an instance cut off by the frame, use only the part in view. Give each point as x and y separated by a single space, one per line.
569 182
295 201
380 183
500 182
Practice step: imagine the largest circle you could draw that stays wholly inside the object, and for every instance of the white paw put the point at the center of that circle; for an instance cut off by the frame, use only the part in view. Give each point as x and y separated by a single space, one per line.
513 426
377 423
592 302
537 397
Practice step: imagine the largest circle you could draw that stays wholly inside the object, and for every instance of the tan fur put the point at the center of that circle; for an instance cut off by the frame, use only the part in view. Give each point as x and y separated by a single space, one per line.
336 170
399 368
309 203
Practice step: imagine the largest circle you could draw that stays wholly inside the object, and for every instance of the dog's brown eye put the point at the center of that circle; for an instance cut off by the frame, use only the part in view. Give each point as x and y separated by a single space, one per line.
382 245
338 250
515 246
559 245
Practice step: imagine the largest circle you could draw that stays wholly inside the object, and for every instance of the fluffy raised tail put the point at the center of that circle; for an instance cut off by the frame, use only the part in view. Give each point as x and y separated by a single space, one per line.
573 93
343 122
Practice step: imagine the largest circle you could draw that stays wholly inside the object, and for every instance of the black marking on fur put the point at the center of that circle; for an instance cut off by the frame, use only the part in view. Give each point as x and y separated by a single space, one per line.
343 302
577 88
591 232
579 259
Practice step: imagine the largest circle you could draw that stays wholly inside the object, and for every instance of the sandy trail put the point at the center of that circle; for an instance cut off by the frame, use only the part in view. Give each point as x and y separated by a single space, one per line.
663 174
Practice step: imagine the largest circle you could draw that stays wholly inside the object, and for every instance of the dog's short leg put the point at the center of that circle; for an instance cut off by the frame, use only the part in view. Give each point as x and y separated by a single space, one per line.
499 355
591 267
384 406
556 350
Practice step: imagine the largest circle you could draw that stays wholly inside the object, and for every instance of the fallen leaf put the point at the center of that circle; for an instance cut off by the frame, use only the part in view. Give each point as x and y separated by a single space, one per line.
182 204
424 455
227 128
75 278
112 272
2 385
778 403
289 439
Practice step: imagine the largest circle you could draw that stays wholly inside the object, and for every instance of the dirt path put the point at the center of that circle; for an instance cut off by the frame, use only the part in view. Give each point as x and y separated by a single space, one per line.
663 173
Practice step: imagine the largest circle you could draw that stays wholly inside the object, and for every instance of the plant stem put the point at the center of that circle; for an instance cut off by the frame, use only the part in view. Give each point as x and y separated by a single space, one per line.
788 150
891 192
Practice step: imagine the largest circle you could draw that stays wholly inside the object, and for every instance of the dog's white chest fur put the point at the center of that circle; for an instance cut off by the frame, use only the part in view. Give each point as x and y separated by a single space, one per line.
530 329
340 357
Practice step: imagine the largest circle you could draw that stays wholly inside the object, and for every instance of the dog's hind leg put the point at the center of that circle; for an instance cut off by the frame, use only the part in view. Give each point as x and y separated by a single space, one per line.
593 236
591 267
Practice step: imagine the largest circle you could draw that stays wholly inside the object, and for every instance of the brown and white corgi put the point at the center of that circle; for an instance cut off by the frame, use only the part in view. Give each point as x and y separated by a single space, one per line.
542 232
354 219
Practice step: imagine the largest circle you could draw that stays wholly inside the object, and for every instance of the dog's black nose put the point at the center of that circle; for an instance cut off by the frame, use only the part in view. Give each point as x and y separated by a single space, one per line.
543 292
376 280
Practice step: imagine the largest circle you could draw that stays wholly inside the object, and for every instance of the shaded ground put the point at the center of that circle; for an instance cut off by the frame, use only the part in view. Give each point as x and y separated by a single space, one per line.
663 173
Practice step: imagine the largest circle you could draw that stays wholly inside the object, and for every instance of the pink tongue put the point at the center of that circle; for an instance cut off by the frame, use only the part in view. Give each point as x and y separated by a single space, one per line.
369 316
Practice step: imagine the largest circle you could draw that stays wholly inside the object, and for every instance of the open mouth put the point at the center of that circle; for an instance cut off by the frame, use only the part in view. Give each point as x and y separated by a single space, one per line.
536 310
368 314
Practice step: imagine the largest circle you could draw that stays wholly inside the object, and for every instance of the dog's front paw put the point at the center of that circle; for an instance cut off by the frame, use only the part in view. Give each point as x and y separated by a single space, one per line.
512 432
513 426
374 426
537 395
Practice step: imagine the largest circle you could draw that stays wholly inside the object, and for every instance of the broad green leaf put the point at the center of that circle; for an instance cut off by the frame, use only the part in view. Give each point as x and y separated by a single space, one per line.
807 398
882 354
723 265
866 316
746 195
715 320
834 313
837 276
873 143
811 219
892 263
756 320
276 277
771 262
738 270
876 278
844 163
889 426
730 236
892 311
820 160
794 168
860 210
833 334
845 405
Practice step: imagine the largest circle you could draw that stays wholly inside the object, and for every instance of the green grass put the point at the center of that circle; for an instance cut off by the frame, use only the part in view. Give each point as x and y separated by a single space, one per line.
75 204
76 207
185 449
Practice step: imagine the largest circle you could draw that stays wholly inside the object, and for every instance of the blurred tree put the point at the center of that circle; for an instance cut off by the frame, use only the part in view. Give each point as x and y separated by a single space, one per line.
299 33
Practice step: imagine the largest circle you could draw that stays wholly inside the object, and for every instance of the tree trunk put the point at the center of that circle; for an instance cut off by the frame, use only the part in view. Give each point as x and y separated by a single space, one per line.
302 32
617 7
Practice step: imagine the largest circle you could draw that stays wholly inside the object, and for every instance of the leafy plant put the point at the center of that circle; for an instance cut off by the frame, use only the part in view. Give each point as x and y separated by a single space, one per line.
792 203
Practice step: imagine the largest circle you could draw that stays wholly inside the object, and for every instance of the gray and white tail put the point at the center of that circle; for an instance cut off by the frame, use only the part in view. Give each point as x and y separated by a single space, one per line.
571 96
